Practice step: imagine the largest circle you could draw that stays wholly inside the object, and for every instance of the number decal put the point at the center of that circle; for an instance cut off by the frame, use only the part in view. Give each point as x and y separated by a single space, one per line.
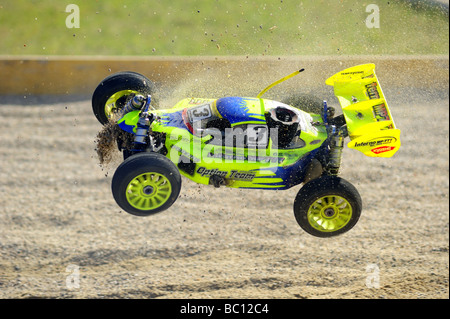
200 113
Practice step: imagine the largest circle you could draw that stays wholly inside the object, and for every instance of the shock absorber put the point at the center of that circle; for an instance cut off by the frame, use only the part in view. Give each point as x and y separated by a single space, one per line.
335 152
143 126
134 104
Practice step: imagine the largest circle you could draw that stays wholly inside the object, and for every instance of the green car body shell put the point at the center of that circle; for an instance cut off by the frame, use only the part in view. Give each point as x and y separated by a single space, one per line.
263 166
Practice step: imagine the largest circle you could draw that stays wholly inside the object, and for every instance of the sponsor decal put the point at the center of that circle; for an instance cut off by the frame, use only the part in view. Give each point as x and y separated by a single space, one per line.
382 149
379 141
234 174
352 73
371 76
197 101
242 176
210 172
372 90
380 112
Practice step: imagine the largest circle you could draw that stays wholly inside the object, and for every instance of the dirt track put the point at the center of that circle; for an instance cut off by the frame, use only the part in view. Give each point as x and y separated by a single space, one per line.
57 212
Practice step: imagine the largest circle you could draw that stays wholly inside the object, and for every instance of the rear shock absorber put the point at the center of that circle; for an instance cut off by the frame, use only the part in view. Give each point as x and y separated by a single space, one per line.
336 141
336 147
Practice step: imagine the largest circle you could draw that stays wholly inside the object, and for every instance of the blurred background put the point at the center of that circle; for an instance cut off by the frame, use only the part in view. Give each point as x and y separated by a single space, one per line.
223 28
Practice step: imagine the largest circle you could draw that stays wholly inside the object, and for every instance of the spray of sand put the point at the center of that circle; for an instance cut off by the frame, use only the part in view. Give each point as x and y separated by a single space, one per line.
106 143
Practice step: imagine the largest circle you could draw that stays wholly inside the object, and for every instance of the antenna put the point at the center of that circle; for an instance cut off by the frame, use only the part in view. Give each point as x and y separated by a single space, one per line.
279 81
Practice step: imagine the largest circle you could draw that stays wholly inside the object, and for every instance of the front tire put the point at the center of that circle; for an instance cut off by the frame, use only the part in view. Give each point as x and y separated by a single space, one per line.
327 206
146 184
112 93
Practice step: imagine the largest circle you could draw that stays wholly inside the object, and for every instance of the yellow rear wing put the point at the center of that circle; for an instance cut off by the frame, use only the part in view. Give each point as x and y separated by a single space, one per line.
370 124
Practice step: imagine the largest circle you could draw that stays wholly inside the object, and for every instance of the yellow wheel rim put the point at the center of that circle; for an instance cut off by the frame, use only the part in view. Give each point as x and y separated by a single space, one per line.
329 213
110 105
148 191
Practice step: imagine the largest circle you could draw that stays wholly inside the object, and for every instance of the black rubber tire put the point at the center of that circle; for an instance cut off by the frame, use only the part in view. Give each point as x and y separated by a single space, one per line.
325 186
139 164
114 83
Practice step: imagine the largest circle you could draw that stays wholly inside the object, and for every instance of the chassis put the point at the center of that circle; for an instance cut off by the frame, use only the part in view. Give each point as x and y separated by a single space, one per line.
247 142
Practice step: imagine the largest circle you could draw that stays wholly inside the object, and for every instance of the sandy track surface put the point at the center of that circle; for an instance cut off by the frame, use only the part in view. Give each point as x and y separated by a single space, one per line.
58 217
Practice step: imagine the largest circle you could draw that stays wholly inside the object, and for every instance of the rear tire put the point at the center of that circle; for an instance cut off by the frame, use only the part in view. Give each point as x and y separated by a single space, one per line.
327 206
112 93
146 184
